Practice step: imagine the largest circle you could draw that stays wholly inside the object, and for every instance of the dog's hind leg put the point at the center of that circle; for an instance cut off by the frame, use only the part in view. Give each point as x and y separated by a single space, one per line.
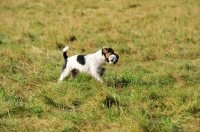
64 74
74 73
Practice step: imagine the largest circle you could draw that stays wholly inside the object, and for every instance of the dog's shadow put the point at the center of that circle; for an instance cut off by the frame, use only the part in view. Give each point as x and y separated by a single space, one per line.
119 82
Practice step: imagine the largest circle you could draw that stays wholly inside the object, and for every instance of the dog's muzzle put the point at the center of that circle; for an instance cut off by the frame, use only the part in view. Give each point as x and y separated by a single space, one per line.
113 59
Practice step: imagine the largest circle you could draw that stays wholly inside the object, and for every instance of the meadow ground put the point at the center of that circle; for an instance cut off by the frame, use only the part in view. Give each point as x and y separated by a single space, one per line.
154 87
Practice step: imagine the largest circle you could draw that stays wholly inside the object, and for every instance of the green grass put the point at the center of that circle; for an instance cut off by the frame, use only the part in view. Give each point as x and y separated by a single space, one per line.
155 85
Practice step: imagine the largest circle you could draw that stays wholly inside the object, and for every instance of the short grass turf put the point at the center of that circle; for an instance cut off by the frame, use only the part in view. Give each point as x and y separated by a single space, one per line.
155 86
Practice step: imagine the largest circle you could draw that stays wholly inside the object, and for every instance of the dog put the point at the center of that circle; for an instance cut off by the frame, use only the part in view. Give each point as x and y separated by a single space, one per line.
89 63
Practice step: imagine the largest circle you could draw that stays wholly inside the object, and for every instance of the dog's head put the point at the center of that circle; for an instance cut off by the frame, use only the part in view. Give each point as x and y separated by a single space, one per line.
110 56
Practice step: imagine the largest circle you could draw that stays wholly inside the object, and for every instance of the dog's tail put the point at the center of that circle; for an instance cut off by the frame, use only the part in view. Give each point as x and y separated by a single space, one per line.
65 52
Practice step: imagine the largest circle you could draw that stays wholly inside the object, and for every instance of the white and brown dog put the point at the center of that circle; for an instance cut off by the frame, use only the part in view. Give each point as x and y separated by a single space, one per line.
89 63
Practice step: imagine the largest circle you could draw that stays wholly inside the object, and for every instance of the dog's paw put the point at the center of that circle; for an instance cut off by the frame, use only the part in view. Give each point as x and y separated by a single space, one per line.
59 81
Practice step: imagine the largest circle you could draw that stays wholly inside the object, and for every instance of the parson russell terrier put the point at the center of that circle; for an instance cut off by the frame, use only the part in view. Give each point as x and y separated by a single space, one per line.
89 63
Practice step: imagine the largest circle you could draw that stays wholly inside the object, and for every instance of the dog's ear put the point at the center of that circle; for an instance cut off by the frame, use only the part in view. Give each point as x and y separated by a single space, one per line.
105 49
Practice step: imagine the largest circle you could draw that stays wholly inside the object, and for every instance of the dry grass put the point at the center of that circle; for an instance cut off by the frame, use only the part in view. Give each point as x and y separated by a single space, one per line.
154 87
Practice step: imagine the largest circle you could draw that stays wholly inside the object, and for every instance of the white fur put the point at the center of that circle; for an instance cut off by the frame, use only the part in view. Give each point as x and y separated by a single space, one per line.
93 65
66 48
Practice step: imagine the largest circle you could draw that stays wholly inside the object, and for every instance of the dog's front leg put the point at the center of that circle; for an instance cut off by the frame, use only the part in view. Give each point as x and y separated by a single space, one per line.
97 75
99 78
103 70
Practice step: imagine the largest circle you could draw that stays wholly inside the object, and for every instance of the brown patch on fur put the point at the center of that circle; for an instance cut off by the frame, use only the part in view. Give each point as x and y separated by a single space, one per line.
108 55
107 51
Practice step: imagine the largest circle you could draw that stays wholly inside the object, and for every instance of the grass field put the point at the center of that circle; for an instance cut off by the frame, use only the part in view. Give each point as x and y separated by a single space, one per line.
155 86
